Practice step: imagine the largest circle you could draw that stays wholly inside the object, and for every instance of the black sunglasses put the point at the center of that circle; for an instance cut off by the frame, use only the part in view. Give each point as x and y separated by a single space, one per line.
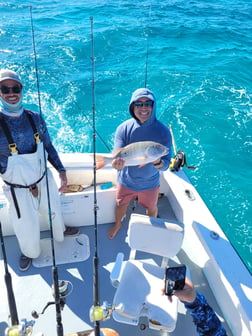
148 103
7 89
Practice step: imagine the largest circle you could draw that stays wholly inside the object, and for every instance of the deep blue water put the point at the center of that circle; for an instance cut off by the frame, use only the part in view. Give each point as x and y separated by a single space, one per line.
195 55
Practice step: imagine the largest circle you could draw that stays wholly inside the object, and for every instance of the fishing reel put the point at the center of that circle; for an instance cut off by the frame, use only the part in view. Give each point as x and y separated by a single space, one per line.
101 313
65 288
178 161
25 328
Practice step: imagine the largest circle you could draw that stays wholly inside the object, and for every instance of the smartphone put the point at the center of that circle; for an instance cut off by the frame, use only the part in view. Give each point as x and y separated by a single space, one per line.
174 279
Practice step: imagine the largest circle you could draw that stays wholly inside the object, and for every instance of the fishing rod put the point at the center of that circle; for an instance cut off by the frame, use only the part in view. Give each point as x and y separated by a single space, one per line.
8 282
17 328
173 140
179 160
96 258
97 312
56 288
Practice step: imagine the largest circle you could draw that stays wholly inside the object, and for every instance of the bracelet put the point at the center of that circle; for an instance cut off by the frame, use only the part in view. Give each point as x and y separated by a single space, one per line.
157 164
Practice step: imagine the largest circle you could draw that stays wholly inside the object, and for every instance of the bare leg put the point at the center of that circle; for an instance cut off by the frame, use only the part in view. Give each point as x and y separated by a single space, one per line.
152 212
120 212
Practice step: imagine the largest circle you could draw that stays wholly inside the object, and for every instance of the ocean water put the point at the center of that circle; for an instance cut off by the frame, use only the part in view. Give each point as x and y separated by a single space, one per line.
195 55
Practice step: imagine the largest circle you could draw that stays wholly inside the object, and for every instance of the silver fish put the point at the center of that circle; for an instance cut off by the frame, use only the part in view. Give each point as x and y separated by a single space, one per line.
135 154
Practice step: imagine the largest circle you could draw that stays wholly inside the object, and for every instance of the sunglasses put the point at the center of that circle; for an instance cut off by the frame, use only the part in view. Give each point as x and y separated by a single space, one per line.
14 89
148 103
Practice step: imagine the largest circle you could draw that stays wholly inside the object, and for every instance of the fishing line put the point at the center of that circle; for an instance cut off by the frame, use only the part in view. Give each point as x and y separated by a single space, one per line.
90 123
147 51
146 62
54 267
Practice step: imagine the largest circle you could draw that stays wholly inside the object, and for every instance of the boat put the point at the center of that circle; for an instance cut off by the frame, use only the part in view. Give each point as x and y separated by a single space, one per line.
212 263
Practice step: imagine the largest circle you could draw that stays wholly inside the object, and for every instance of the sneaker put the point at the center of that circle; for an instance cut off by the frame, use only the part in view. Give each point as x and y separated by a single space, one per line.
24 262
71 231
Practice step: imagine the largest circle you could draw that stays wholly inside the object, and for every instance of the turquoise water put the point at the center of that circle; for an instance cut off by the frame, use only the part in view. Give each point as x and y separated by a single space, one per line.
195 55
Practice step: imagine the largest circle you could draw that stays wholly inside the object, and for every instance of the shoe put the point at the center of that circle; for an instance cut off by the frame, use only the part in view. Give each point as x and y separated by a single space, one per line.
71 231
24 263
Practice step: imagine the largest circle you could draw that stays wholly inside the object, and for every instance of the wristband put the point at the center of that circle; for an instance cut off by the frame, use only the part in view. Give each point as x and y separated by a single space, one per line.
157 164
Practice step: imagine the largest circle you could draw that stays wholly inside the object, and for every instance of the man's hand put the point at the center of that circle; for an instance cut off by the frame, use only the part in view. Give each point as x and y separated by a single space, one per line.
187 294
63 180
158 163
118 163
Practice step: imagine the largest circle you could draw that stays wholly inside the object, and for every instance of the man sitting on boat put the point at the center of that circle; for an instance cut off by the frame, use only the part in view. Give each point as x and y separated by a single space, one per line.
133 181
24 145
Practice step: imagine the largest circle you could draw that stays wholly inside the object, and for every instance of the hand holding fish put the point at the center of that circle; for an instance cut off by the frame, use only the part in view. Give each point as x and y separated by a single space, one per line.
118 163
158 163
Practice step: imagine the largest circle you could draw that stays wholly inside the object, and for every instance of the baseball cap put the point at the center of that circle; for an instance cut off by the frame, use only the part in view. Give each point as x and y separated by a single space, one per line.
9 74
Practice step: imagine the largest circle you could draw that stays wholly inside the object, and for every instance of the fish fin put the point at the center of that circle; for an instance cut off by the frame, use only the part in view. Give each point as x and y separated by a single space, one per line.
115 152
142 165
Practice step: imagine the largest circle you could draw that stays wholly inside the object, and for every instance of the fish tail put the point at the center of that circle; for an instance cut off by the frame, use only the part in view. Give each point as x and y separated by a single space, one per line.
100 162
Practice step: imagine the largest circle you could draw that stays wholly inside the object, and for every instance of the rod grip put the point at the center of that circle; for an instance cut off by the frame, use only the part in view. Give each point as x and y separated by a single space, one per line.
60 331
11 299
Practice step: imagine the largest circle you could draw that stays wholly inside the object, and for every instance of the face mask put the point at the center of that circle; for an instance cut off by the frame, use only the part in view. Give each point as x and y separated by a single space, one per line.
11 108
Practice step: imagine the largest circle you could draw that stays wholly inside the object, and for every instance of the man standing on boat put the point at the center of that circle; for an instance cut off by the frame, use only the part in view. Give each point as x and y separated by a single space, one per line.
134 182
24 145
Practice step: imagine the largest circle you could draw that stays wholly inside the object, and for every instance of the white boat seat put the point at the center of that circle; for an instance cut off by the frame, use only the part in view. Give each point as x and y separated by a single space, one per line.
157 236
139 284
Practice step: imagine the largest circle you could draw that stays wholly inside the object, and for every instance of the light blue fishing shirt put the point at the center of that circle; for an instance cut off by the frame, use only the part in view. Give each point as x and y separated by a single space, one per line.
148 176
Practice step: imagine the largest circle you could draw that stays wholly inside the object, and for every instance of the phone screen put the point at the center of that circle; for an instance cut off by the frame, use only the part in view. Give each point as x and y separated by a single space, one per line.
174 279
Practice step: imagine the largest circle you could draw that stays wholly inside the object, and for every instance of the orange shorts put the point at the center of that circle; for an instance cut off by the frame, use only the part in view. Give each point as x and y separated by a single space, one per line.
147 198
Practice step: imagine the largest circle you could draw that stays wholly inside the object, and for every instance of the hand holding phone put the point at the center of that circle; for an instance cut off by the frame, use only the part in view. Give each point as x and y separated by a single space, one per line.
174 279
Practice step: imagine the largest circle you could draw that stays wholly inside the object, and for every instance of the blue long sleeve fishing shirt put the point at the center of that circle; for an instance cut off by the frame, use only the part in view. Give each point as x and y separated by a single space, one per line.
148 176
204 317
22 134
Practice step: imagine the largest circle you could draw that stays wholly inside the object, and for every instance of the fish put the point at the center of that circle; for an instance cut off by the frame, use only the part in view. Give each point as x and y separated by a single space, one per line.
135 154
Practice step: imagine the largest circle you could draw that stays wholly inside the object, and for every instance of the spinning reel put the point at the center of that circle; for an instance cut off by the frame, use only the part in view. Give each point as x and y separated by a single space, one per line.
64 291
23 329
101 313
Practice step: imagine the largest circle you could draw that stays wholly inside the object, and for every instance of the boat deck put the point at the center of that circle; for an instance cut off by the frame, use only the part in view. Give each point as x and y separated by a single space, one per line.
32 288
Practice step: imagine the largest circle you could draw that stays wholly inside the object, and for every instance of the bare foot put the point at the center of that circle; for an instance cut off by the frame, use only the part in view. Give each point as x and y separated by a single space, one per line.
113 231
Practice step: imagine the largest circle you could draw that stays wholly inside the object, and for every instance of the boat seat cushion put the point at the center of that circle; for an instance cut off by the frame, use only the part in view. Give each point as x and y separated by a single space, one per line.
155 235
139 293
